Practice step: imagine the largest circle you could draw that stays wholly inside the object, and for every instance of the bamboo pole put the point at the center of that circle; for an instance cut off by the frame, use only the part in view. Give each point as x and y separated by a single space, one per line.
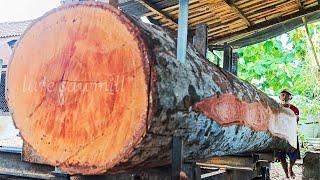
304 19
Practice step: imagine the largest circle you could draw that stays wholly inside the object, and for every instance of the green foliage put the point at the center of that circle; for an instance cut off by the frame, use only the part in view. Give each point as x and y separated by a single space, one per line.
215 57
285 61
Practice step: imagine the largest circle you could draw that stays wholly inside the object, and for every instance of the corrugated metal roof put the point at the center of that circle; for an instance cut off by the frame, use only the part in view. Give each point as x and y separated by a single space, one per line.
9 29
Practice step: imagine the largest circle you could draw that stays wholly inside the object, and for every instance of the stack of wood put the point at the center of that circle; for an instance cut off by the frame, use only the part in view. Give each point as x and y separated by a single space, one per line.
95 91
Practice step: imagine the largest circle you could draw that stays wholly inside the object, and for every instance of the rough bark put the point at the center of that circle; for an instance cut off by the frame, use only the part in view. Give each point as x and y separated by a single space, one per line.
92 132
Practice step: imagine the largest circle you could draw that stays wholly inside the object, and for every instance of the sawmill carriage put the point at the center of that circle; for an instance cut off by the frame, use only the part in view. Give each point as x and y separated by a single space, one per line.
106 93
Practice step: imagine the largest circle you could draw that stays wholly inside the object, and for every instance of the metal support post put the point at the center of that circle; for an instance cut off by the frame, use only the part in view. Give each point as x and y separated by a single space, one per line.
182 30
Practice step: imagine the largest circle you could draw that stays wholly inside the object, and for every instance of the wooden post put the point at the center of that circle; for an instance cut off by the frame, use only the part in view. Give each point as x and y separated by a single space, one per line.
227 57
182 30
200 40
234 67
177 157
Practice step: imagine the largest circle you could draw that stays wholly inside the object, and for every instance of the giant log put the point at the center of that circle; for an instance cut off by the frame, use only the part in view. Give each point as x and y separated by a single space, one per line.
93 91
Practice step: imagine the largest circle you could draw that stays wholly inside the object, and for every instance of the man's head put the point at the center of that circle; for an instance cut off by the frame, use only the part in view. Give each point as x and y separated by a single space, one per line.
285 96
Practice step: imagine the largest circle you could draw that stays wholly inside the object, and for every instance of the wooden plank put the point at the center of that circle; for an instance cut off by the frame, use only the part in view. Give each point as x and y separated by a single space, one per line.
274 9
226 27
225 166
248 4
212 5
231 161
192 7
310 5
214 173
252 10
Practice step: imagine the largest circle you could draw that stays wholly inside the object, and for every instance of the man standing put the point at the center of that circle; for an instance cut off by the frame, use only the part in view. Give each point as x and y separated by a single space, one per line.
285 97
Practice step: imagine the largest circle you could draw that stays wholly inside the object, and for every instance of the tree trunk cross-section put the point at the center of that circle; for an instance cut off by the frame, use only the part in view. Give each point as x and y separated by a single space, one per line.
94 91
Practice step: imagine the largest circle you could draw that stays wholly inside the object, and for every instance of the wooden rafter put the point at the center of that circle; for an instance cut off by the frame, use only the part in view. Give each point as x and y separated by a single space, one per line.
153 8
269 23
299 4
238 11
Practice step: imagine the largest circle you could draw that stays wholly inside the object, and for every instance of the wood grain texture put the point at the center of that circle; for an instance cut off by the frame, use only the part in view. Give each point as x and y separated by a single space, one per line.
149 96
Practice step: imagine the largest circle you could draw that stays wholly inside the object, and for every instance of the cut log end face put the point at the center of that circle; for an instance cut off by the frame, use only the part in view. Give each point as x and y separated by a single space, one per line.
78 88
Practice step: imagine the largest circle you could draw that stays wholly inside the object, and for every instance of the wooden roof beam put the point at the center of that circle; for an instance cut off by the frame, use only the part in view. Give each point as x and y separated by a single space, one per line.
299 4
268 23
238 11
153 8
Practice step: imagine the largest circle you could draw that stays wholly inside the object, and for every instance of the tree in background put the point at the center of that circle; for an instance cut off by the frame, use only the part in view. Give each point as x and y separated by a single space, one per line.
286 61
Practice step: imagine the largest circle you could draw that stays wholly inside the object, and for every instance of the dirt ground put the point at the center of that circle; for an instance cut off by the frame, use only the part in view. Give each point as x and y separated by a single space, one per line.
277 173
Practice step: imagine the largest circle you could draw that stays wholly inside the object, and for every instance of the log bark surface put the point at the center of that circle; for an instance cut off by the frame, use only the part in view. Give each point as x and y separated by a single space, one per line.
150 96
